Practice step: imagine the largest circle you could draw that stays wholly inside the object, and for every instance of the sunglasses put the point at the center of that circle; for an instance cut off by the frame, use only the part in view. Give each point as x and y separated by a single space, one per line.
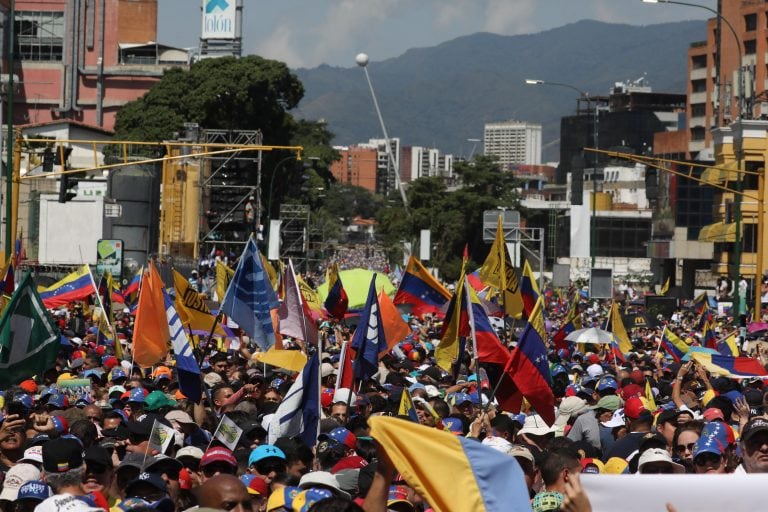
224 469
683 447
707 459
269 467
657 470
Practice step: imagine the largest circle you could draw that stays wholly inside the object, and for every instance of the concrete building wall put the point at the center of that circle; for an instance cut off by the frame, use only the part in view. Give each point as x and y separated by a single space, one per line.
513 142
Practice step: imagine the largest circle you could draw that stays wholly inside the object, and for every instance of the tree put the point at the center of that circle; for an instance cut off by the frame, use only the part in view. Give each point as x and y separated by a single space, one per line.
248 93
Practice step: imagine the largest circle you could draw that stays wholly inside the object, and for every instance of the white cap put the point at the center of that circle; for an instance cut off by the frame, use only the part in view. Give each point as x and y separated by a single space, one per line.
343 395
65 503
33 454
570 406
432 391
190 451
327 369
658 455
595 370
322 479
17 476
497 443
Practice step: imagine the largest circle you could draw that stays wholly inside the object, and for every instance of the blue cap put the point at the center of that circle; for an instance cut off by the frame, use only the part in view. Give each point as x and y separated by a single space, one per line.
276 383
265 451
733 395
460 398
707 445
607 383
24 400
415 386
118 373
247 478
136 395
715 430
92 372
57 400
558 369
153 479
34 490
453 425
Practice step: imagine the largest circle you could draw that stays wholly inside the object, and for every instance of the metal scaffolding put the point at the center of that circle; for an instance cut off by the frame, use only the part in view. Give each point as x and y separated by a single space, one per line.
294 234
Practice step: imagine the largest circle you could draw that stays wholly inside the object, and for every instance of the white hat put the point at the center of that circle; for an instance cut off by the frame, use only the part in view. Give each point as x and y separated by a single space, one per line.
76 340
432 391
33 454
17 476
570 406
535 425
658 455
497 443
65 503
327 369
595 370
211 379
190 451
617 420
322 479
180 417
343 395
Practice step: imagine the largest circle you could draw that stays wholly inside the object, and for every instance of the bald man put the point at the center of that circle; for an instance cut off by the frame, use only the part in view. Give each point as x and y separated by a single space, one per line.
224 492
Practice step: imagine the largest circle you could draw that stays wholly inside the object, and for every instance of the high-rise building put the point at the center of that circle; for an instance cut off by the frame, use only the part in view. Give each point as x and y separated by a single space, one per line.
514 142
356 166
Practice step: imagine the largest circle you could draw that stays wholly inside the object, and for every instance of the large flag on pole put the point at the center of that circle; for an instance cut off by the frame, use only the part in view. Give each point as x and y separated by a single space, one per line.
295 320
336 302
497 271
299 412
529 289
369 339
421 290
616 326
395 328
74 286
250 298
150 333
224 275
192 309
29 340
186 364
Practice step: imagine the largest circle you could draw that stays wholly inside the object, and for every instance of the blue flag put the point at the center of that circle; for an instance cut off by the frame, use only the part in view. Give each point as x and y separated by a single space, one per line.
299 412
369 340
186 365
250 297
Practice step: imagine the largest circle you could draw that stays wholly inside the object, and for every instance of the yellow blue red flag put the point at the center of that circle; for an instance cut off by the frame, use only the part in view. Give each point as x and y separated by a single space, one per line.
487 479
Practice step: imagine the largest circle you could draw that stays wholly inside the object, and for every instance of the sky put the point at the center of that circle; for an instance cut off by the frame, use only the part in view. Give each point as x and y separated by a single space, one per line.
308 33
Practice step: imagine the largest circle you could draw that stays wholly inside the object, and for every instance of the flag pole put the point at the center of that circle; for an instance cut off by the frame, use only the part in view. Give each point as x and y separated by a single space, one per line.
101 304
214 432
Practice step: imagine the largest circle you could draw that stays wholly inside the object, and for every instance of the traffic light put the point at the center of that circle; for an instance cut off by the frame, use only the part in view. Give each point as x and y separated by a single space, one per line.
64 188
48 159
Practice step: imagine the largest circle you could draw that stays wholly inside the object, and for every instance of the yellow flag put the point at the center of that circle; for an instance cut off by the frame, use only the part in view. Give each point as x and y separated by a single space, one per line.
310 296
730 342
270 270
537 319
618 330
497 272
649 399
293 360
447 351
665 288
191 307
223 277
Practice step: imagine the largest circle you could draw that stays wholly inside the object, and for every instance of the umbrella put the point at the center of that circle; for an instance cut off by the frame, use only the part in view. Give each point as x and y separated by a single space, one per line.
591 335
356 283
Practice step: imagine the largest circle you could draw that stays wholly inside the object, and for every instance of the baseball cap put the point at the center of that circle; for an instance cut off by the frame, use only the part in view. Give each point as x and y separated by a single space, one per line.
34 490
595 370
343 395
461 398
617 420
303 501
634 408
265 451
667 416
340 435
179 417
592 466
137 395
616 466
157 399
98 455
33 455
609 403
153 479
606 383
60 455
351 462
753 427
57 400
658 455
322 479
518 450
192 452
570 406
258 486
218 454
17 476
398 494
116 374
453 425
707 444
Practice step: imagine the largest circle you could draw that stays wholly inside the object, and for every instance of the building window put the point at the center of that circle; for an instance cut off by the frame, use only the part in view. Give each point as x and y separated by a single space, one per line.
750 22
698 109
750 47
39 35
699 85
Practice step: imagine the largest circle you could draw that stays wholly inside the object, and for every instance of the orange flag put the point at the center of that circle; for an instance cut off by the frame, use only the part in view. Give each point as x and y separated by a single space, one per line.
395 328
150 333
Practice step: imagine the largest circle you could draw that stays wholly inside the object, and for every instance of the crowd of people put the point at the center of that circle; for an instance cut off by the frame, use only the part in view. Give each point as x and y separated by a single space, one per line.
96 446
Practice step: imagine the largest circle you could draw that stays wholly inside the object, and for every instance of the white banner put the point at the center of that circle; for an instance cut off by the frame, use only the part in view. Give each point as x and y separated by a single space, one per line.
688 493
219 19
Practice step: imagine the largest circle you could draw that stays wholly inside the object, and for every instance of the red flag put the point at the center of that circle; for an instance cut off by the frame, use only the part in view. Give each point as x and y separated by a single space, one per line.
395 328
346 375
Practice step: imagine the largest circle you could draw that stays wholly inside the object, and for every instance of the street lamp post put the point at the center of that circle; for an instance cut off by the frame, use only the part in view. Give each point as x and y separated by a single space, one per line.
362 61
741 111
593 216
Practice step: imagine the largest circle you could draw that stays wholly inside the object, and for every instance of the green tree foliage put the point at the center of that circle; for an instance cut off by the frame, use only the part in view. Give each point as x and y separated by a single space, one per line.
454 217
227 93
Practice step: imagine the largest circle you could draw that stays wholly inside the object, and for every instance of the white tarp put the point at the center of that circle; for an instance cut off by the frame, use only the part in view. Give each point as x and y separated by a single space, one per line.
688 493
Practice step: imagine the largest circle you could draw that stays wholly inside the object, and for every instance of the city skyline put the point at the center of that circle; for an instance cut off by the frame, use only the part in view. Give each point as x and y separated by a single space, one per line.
308 34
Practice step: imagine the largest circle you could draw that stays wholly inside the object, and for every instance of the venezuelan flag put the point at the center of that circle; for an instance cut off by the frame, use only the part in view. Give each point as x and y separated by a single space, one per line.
420 289
406 406
485 479
673 345
75 286
487 345
733 367
337 302
572 323
132 289
728 346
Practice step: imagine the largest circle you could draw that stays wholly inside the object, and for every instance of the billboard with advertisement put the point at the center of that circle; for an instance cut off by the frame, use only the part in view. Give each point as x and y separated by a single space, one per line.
219 19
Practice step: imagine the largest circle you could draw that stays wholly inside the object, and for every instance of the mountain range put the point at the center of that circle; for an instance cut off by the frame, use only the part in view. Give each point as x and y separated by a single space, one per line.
443 95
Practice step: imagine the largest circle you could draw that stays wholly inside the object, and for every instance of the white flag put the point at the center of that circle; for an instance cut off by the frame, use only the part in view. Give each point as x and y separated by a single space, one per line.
228 433
161 437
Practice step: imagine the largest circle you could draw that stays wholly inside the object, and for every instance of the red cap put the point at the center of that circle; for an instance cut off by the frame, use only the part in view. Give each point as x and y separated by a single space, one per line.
185 479
218 454
633 408
713 414
29 386
258 486
594 359
637 376
631 390
110 362
326 397
101 349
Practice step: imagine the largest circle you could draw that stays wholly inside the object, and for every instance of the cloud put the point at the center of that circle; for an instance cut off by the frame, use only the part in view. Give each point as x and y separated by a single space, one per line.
282 44
505 17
